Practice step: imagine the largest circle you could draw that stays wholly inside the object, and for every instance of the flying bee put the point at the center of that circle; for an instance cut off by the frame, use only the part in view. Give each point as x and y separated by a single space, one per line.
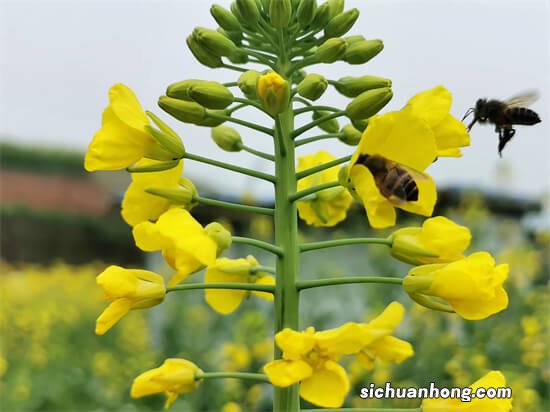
505 114
396 182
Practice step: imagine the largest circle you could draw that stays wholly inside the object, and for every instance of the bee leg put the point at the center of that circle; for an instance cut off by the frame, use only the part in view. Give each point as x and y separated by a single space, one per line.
504 136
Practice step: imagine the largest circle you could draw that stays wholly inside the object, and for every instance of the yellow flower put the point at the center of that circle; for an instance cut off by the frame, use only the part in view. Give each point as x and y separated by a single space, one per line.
433 106
406 141
174 376
236 356
380 344
273 92
438 236
123 138
184 243
241 270
310 357
330 205
138 205
472 286
493 379
127 289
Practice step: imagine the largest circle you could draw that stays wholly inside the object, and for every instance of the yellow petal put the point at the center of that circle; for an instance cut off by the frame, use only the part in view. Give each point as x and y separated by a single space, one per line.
432 105
265 280
283 373
225 301
451 133
348 338
111 315
127 108
327 387
390 349
386 322
147 237
294 344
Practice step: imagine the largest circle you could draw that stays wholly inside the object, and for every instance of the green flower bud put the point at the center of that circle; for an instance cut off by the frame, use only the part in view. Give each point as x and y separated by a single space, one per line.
362 51
265 5
350 135
216 42
343 178
280 12
220 235
167 141
306 12
211 121
322 17
204 56
331 50
162 126
336 7
157 167
248 83
235 36
341 24
190 186
212 95
248 12
298 76
273 92
329 126
354 86
312 87
239 57
177 195
188 112
369 103
225 18
353 39
227 138
360 124
180 90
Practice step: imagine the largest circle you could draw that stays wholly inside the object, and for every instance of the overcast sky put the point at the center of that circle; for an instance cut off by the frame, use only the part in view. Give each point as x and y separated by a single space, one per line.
58 59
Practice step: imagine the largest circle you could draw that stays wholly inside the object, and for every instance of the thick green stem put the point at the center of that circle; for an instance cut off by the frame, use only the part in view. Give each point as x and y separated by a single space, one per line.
321 167
243 170
344 242
232 375
286 238
234 206
319 283
222 285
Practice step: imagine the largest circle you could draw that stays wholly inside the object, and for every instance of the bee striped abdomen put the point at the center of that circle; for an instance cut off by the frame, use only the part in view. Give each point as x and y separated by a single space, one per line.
401 185
522 115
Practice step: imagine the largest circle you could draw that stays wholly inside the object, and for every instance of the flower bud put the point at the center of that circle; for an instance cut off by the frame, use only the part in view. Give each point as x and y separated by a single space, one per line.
362 51
188 112
331 50
212 95
225 18
235 36
354 86
368 103
248 12
298 76
280 12
336 7
212 121
350 135
187 184
220 235
312 87
227 138
265 5
273 92
306 12
322 17
360 124
342 23
156 167
329 126
354 39
248 83
167 141
239 57
180 90
203 56
217 43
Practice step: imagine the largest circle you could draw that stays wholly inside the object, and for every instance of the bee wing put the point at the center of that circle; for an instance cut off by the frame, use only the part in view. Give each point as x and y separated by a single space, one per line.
522 100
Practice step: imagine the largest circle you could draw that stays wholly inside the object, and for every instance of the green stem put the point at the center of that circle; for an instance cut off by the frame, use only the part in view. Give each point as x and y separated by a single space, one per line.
259 244
315 138
321 167
234 206
317 122
261 58
223 285
241 122
235 108
250 103
319 283
233 375
306 247
313 108
231 84
286 237
235 68
302 100
314 189
260 268
258 153
243 170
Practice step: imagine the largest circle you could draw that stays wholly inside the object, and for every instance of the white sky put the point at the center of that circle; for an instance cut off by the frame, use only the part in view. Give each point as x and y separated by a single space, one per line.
58 59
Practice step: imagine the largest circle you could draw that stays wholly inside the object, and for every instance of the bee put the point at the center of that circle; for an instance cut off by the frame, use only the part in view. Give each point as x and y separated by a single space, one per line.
505 114
396 182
